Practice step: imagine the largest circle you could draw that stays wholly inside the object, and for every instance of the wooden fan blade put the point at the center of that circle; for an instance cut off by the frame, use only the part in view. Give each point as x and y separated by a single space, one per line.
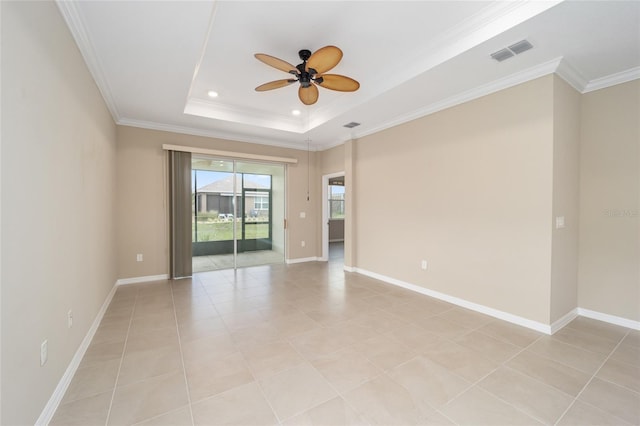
339 83
274 85
308 95
324 59
275 62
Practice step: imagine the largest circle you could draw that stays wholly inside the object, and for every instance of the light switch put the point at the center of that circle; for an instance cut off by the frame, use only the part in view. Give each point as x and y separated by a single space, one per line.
559 222
303 215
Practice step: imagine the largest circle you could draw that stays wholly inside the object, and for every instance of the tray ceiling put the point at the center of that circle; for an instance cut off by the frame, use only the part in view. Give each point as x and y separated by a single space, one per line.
155 62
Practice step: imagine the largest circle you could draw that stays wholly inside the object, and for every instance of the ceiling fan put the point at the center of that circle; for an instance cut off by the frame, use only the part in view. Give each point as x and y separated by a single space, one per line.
310 73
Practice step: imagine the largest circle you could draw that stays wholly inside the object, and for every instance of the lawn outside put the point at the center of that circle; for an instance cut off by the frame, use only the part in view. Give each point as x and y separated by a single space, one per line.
216 230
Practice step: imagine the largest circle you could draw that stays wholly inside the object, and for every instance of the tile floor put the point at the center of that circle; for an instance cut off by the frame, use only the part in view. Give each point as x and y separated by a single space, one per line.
309 344
225 261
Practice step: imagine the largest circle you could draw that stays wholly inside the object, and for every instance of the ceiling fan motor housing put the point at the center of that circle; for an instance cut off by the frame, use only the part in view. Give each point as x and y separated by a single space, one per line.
304 54
305 76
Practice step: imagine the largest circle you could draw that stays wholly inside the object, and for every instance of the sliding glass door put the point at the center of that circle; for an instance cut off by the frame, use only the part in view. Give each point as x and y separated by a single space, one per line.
261 225
237 213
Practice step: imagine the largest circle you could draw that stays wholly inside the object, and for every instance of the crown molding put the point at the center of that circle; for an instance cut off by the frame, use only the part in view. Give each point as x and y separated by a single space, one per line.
236 137
571 75
335 143
79 33
236 114
469 95
477 28
612 80
558 66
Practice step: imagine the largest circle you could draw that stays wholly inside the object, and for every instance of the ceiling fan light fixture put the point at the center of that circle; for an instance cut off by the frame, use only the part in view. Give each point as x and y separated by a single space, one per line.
310 73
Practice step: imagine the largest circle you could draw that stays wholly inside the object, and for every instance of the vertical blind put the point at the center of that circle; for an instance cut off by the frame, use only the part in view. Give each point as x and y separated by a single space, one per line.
180 201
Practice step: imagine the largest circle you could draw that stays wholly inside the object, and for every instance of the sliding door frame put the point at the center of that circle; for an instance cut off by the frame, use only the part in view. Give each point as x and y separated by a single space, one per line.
236 208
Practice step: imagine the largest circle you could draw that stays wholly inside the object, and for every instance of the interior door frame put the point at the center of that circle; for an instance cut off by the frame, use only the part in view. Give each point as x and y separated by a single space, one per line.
325 213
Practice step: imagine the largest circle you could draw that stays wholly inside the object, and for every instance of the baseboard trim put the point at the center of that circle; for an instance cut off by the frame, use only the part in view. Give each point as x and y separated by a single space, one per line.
349 268
146 279
302 260
566 319
611 319
54 402
514 319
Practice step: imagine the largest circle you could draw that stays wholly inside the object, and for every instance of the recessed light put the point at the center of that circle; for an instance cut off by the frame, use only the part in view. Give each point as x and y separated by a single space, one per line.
212 94
296 112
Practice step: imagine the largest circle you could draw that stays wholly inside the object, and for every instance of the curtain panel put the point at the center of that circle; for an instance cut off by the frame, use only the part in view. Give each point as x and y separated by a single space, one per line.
180 217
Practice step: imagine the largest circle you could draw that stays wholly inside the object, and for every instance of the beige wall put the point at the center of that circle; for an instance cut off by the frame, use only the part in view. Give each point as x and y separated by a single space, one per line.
58 183
609 276
472 189
350 198
564 249
332 160
142 197
469 190
329 161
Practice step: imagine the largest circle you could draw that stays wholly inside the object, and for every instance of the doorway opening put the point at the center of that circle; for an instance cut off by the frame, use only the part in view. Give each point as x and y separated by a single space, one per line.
333 215
237 213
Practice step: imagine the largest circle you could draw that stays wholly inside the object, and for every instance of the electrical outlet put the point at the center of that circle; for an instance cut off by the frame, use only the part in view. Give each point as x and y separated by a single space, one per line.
303 244
423 265
44 352
139 257
303 215
70 318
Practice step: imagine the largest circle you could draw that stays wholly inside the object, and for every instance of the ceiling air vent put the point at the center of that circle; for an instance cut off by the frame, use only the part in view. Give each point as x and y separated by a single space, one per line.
501 55
351 125
514 49
521 46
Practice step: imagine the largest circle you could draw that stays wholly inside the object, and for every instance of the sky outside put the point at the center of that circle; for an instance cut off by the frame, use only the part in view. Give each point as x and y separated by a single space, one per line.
205 177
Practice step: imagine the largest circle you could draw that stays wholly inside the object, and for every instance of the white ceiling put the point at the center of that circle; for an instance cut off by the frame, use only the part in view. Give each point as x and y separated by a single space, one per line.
155 61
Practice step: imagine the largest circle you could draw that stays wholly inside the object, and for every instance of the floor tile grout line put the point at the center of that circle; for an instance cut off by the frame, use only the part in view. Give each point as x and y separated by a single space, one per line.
137 307
591 379
184 369
620 386
535 380
247 364
581 331
501 364
385 373
340 394
549 358
124 348
258 382
260 388
445 416
157 416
